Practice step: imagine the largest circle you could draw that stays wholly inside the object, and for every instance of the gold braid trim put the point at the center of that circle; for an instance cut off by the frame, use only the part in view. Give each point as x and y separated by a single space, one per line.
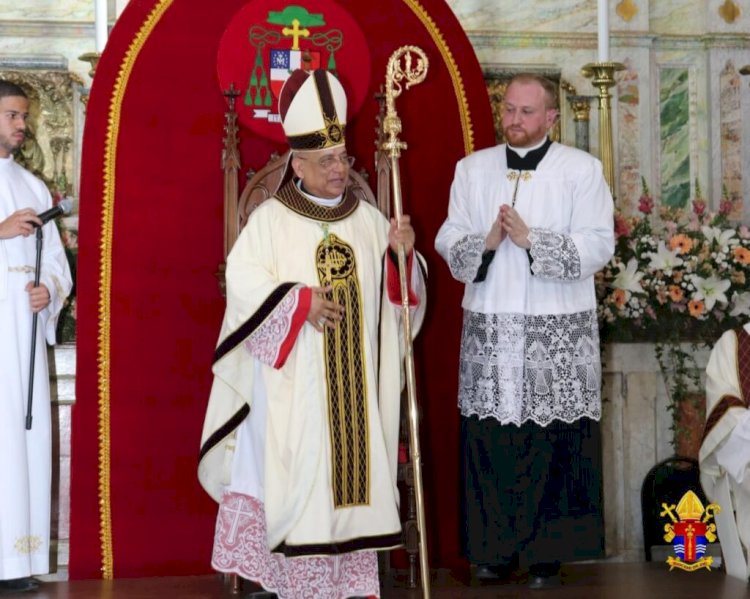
346 376
458 85
105 281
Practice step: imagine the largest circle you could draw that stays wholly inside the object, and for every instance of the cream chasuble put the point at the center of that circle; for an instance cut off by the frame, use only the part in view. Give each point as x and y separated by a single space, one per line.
304 423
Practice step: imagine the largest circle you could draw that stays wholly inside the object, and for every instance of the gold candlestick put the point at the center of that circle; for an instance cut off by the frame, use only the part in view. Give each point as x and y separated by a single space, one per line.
603 77
92 58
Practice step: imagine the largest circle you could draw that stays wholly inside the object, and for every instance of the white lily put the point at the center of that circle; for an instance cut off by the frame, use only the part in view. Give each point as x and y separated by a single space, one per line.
721 237
741 303
629 279
711 290
664 259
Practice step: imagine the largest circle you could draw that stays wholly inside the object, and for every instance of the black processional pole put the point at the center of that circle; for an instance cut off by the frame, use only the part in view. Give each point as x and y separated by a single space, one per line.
63 207
34 321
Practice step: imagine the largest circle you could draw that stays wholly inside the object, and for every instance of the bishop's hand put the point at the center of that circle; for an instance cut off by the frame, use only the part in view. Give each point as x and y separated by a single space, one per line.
324 312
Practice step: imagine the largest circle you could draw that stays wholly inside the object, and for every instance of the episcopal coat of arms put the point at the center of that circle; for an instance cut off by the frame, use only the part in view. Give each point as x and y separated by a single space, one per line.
267 40
690 532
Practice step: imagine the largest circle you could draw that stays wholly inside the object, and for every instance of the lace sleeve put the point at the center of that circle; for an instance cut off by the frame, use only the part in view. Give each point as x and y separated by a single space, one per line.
466 258
555 256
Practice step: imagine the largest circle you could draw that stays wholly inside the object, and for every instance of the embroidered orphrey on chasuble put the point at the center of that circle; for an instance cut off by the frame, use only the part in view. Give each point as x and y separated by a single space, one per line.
345 375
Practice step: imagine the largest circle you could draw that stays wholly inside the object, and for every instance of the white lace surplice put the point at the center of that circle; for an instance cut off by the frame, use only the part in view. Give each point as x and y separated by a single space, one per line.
530 341
515 368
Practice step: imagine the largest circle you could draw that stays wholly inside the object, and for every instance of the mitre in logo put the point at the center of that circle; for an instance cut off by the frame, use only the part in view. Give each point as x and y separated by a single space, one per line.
266 41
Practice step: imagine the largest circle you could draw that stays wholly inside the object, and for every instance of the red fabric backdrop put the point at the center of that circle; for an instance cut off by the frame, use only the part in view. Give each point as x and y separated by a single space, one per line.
151 239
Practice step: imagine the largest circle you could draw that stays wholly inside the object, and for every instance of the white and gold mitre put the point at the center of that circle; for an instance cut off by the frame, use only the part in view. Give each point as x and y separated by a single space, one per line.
312 106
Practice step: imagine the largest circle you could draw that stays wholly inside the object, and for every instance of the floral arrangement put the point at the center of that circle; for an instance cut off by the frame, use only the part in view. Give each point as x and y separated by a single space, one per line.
685 281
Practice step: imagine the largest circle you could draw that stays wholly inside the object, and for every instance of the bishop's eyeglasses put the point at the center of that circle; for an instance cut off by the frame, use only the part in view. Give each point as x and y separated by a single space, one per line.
327 162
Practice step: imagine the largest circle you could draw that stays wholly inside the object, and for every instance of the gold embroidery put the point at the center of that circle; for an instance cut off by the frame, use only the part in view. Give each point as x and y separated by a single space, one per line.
452 67
28 545
25 269
517 176
523 175
105 277
345 375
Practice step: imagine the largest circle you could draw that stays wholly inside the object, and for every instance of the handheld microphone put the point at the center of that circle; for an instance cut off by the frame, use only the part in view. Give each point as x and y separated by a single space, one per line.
63 207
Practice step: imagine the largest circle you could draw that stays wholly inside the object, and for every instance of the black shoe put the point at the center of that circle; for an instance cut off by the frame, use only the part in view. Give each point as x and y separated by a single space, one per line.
18 585
490 573
544 582
544 575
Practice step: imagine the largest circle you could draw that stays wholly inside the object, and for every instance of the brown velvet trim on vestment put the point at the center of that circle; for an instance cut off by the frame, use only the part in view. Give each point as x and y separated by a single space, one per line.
721 408
360 544
295 200
224 430
743 364
743 376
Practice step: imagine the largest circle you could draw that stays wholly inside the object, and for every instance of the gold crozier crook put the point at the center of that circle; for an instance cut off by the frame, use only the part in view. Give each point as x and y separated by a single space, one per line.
407 66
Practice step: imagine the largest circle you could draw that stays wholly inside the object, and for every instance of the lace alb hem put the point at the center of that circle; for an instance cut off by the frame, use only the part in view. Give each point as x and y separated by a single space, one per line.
240 547
466 258
555 255
515 367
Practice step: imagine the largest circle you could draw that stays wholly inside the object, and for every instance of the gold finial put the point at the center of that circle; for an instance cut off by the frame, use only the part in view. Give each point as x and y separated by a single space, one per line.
93 59
403 71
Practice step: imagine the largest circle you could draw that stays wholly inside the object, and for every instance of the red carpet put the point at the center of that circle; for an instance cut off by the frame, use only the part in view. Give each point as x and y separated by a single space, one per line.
151 242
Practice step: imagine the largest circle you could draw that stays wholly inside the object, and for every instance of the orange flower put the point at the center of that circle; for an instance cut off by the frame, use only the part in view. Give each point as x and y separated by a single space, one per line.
696 308
738 277
676 293
619 297
681 242
742 255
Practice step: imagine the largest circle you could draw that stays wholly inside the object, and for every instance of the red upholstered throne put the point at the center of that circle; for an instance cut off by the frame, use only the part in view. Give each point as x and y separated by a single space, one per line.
151 238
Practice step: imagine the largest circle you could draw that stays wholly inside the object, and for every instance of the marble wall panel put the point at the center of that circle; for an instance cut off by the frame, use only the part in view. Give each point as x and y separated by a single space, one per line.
612 464
529 17
48 10
629 170
677 17
730 127
674 128
636 436
67 48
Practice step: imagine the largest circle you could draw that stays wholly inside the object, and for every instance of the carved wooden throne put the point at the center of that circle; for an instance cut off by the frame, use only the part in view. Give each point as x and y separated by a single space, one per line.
238 205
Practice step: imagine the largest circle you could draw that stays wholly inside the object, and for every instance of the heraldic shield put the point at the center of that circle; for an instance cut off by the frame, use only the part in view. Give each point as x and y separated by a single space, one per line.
267 40
690 532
